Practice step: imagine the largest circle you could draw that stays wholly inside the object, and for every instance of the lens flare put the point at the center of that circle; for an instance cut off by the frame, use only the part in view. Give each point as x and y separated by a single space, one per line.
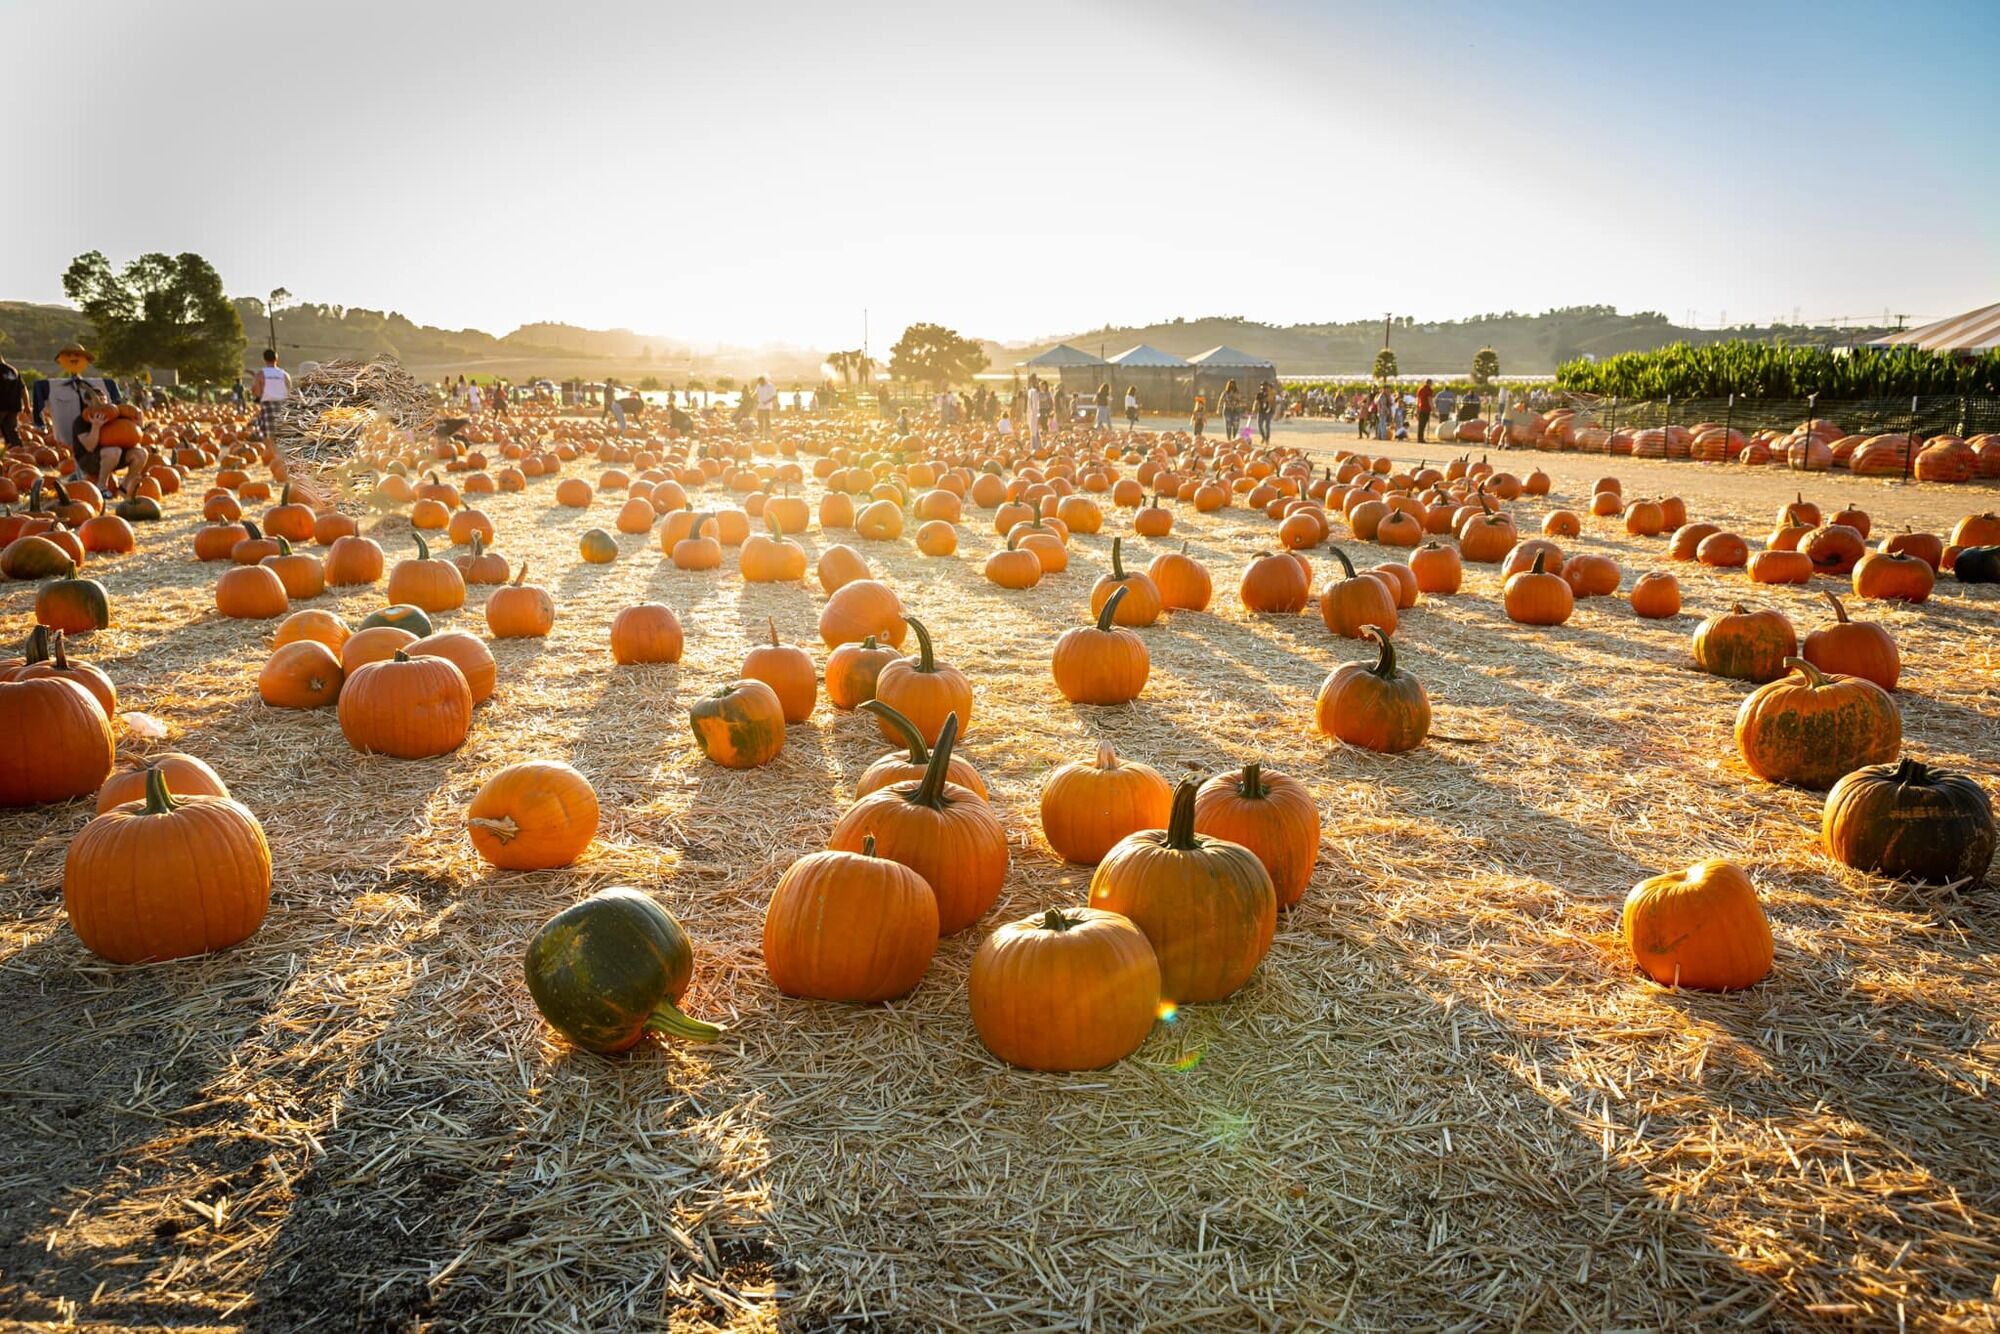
1168 1012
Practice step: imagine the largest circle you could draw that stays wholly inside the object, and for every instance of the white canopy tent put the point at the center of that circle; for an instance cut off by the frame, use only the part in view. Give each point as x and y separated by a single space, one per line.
1968 335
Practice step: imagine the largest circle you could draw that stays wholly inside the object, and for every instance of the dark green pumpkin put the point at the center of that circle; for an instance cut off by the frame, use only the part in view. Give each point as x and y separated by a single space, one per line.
1909 821
606 971
403 616
76 606
1978 565
139 509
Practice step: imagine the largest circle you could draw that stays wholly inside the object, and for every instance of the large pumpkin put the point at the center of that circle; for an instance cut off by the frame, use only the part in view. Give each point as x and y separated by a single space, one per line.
1206 904
521 610
408 707
1352 603
532 816
1854 648
1701 928
740 725
646 632
1910 821
57 741
1088 807
607 971
1269 813
422 581
923 689
944 832
303 674
1105 663
167 877
1068 989
850 926
1811 728
1141 604
77 606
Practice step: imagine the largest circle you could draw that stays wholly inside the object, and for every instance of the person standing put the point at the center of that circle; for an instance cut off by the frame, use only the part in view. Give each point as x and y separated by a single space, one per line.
1426 398
1231 404
1445 401
1385 409
1131 408
612 407
1199 418
273 386
767 400
1035 411
1266 403
13 397
1104 406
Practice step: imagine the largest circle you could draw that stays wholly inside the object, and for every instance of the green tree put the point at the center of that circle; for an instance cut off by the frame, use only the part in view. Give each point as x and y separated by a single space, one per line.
933 354
1385 364
162 310
1485 365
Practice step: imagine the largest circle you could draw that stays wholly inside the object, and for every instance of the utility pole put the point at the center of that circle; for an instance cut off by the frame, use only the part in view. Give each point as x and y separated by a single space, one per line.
1386 317
278 295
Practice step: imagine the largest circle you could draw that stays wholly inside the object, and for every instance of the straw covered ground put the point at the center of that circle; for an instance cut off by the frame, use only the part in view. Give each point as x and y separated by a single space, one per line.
1445 1100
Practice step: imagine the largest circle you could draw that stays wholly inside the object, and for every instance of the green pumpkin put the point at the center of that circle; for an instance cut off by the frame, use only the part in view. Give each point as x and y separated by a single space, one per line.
139 509
74 605
606 971
1978 565
403 616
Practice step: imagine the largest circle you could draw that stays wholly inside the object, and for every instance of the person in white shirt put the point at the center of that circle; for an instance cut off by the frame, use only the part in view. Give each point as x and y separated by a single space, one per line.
1034 412
1131 408
273 387
767 398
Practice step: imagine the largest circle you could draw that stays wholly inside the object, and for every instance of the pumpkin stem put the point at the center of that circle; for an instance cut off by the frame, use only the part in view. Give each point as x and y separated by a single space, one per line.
159 800
252 533
1385 660
1814 676
35 648
930 792
1055 919
926 658
1839 612
1541 558
667 1018
1110 609
285 495
1341 556
284 546
1180 824
423 547
868 845
520 575
478 545
503 828
907 730
772 621
1107 755
401 656
1252 785
61 653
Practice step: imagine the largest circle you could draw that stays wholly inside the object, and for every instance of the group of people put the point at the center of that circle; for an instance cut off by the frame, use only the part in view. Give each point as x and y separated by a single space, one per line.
1268 402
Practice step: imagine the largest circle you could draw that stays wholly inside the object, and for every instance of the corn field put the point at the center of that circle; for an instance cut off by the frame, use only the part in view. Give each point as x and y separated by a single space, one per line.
1765 370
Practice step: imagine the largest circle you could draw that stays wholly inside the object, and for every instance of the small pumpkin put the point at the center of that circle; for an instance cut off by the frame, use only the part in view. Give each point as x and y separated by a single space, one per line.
1701 928
788 670
1854 648
433 585
1352 603
1103 663
520 610
166 878
1141 605
1206 904
740 725
852 670
325 626
251 593
609 970
598 547
860 608
850 926
353 560
303 674
468 652
1379 708
1438 569
1745 645
1910 821
1068 989
646 632
910 764
1535 597
1088 807
1656 596
533 815
74 606
1182 580
402 616
187 776
923 689
1811 729
1890 577
1275 583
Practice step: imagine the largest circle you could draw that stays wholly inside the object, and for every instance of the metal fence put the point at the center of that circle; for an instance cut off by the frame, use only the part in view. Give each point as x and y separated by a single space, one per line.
1920 416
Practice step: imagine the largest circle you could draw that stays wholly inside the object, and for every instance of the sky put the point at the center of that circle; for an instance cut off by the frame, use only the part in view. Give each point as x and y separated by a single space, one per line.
768 172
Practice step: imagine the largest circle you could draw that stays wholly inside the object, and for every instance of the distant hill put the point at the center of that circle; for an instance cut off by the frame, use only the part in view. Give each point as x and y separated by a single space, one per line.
1527 344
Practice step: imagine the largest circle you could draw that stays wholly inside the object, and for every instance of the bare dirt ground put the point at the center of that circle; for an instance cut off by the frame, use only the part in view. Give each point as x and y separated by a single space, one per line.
1444 1101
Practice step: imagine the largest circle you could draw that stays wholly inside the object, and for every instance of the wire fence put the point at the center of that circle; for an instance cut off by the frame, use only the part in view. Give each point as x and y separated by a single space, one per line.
1920 416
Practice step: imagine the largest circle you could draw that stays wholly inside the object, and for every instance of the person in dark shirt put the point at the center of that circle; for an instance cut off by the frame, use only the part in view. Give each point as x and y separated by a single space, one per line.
13 398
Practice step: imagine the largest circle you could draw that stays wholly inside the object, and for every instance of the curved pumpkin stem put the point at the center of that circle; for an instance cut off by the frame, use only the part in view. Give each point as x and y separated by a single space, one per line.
35 648
1180 824
930 792
284 546
904 728
1385 658
252 533
1251 786
667 1018
285 495
1541 559
1814 676
519 575
1118 554
1109 611
478 544
868 845
1341 556
159 800
1839 612
423 547
772 622
926 657
1107 756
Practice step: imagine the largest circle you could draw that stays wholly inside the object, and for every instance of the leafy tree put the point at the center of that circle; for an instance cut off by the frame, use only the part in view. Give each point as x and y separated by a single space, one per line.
162 310
1485 365
933 354
850 365
725 382
1385 364
651 382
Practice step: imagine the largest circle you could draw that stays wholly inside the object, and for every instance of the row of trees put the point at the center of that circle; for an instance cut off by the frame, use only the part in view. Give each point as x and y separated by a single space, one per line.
1485 365
1764 370
159 310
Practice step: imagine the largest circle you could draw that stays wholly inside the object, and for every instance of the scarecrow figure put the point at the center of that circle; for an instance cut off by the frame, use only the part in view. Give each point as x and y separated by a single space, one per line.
59 402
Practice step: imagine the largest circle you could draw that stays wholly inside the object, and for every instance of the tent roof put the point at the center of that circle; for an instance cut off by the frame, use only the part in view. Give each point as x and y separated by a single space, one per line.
1144 355
1226 355
1974 331
1062 354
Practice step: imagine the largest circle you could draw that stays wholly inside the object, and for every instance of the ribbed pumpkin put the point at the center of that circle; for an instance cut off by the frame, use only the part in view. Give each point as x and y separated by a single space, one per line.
168 877
908 765
860 608
408 707
1853 648
433 585
303 674
646 632
1379 708
740 725
788 670
520 610
352 560
944 832
532 816
1353 602
1810 729
58 741
324 626
468 652
852 670
75 606
1141 605
1275 583
1206 904
186 777
1269 813
1745 645
251 593
923 689
1910 821
850 926
609 970
1701 928
1089 807
1104 663
1536 597
1656 596
1068 989
1893 578
1182 580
